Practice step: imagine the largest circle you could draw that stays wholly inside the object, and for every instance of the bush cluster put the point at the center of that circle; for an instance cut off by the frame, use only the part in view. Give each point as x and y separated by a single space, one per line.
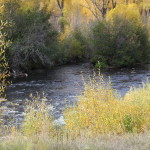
74 46
101 111
4 73
121 40
34 41
38 119
4 68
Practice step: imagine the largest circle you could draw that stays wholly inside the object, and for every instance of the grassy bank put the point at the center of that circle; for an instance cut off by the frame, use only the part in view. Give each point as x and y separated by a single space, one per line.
101 142
101 119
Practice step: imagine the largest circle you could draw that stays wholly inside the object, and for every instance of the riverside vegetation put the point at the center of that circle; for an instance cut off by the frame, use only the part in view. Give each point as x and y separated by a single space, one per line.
46 34
4 74
101 118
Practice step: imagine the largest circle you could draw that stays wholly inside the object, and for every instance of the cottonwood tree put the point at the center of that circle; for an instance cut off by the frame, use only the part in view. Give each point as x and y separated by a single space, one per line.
60 4
64 5
99 7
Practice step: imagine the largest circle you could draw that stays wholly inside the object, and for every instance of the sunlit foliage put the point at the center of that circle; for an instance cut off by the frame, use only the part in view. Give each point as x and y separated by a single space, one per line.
4 71
67 15
129 13
100 110
37 119
3 62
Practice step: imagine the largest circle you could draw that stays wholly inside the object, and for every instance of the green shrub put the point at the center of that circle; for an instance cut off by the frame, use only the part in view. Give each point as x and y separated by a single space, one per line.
3 62
100 65
121 40
34 40
74 46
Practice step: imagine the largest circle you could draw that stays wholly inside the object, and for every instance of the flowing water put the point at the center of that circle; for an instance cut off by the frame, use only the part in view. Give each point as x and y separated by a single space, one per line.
63 84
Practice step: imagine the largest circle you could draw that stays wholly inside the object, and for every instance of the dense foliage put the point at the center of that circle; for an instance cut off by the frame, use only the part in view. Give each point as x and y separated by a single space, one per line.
121 40
74 46
34 41
4 69
46 33
100 110
38 119
3 62
99 113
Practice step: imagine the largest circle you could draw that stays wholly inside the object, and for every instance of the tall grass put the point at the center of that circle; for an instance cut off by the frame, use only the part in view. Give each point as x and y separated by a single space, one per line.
101 142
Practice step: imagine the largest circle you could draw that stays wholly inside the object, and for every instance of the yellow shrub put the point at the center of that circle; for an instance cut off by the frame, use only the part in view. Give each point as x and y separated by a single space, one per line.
139 98
99 110
3 62
4 73
37 119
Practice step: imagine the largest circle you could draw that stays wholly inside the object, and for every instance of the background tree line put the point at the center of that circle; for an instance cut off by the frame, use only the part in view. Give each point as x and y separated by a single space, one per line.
45 33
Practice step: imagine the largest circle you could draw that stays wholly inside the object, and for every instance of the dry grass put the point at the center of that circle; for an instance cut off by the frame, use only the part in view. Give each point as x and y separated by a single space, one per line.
101 142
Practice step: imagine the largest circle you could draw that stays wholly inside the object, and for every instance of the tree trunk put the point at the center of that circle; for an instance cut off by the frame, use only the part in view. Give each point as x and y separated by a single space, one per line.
61 7
127 1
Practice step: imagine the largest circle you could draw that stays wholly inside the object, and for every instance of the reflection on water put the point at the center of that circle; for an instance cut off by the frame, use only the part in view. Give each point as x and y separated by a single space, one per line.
62 84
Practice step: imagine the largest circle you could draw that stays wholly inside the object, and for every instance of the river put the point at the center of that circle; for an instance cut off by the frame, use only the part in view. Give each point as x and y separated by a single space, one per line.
63 84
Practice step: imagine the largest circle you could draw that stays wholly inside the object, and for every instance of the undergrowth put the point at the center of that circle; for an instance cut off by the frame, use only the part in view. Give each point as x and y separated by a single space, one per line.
38 119
100 110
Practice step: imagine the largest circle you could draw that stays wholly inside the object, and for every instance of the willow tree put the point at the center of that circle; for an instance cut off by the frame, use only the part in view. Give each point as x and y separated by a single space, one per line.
3 63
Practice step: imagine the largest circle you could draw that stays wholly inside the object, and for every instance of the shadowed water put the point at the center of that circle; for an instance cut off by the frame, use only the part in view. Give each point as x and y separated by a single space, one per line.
62 84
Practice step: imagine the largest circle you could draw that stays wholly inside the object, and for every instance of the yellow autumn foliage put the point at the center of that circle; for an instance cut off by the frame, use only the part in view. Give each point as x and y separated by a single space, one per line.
100 110
37 117
139 98
3 62
127 12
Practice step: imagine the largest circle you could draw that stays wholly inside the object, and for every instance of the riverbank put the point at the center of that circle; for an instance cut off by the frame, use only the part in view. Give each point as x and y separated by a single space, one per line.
38 133
100 119
63 84
85 64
